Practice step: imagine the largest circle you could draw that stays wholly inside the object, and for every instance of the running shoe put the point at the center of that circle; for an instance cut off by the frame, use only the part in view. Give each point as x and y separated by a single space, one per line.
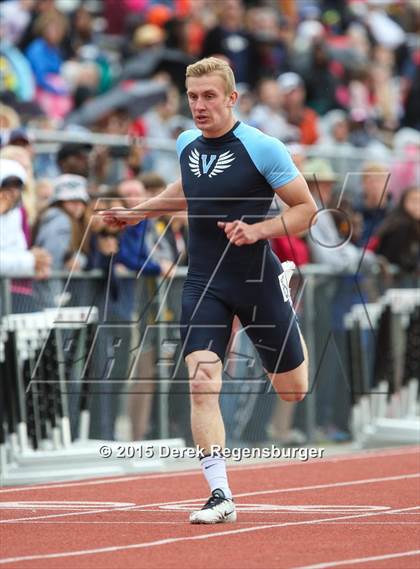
217 510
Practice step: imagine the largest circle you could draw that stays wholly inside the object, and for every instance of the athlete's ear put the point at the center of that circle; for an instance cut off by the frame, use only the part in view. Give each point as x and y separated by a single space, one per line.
233 98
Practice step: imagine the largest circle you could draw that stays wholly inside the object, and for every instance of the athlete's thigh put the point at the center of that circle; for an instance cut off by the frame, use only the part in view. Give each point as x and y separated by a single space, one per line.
270 322
206 321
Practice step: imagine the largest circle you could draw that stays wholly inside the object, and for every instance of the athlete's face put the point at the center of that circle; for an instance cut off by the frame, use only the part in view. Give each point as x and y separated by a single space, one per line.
211 107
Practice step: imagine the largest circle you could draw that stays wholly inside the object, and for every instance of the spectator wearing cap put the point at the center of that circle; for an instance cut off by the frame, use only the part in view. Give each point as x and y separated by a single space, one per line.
73 158
297 114
16 258
61 227
22 155
16 137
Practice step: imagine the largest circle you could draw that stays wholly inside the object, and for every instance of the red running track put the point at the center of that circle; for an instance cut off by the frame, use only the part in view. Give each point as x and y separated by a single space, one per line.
360 510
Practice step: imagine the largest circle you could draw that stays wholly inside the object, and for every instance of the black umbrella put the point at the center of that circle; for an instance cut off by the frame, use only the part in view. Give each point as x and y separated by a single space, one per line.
152 60
136 97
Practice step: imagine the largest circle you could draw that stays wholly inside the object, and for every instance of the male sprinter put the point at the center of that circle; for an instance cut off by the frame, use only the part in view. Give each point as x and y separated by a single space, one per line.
229 172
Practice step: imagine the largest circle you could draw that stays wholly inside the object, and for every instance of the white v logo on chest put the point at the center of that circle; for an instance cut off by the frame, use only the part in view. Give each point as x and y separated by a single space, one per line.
207 162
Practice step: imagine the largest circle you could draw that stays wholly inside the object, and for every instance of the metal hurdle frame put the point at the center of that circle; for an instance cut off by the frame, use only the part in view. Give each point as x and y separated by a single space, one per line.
388 413
31 343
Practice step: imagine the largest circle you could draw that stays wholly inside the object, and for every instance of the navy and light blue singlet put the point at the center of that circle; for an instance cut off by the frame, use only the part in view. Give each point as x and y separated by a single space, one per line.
224 179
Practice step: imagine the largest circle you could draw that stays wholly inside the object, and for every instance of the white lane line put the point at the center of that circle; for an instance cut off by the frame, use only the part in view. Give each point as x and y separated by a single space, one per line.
242 495
131 546
196 472
240 522
361 560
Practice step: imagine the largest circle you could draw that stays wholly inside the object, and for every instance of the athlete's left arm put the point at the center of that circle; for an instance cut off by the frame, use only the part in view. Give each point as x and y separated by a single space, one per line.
296 219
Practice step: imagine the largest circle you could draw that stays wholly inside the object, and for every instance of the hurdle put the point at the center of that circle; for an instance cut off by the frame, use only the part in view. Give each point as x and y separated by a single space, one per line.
39 354
385 398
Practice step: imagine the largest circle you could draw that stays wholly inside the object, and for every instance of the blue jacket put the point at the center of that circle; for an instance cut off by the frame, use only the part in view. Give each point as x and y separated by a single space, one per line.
44 59
133 252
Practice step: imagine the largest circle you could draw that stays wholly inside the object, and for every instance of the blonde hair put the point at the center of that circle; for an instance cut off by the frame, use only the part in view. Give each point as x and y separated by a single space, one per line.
374 168
52 16
9 119
213 65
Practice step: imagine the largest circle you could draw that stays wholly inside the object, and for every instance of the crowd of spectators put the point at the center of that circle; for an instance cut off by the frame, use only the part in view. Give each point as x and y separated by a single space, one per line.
337 82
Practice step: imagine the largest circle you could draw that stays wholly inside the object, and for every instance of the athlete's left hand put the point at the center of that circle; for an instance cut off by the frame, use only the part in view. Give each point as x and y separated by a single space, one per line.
239 233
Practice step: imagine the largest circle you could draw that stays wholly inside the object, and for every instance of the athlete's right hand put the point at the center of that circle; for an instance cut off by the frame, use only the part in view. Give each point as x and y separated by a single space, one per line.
120 217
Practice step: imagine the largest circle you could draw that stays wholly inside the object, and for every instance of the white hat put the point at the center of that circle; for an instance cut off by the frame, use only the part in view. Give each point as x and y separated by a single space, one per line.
11 169
70 187
289 81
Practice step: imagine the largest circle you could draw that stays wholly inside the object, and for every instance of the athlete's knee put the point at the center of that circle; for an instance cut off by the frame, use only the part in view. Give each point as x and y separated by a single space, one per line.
205 377
291 386
206 380
292 397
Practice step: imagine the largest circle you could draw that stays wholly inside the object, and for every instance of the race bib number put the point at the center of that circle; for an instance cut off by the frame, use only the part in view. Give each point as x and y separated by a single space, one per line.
284 287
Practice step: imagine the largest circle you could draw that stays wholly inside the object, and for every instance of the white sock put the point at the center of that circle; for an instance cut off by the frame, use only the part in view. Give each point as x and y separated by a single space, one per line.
214 470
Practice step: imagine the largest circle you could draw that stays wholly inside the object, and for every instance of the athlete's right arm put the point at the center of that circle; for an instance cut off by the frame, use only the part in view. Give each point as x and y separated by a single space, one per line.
171 200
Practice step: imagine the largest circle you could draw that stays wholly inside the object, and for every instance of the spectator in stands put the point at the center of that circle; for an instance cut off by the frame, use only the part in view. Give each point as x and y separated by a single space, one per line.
405 169
136 304
111 350
9 119
336 131
230 38
364 134
21 154
44 189
46 60
17 259
73 158
398 238
334 295
335 145
14 19
268 114
412 95
376 199
265 26
326 245
17 137
245 106
320 80
296 113
165 122
61 229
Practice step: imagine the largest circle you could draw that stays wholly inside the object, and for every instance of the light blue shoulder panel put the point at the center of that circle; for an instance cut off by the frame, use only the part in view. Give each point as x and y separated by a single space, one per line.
268 154
185 138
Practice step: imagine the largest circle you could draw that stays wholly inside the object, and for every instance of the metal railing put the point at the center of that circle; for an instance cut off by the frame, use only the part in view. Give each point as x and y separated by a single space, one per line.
312 293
